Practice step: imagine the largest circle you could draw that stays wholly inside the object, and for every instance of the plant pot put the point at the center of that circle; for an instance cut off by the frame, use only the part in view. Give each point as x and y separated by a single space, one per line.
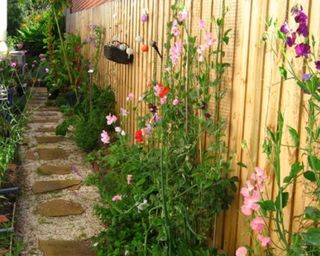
113 53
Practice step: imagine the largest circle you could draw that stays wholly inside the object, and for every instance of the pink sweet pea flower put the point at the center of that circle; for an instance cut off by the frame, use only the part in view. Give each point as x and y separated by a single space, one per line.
257 224
175 52
130 96
111 119
13 64
264 240
242 251
175 29
105 138
124 112
175 102
163 100
201 24
129 179
116 198
182 15
209 39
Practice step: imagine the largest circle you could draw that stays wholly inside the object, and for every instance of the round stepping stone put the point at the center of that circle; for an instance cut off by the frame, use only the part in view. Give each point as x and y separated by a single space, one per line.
60 208
54 169
52 153
65 248
53 185
49 139
46 129
53 120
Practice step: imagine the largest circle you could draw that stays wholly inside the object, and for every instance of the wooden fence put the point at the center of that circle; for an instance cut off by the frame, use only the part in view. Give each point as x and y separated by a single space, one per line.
256 91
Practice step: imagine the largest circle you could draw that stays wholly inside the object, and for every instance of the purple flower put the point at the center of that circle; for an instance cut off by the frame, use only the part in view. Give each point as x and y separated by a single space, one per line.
303 29
317 63
285 29
306 77
291 40
46 70
207 115
152 108
302 50
301 17
92 26
42 56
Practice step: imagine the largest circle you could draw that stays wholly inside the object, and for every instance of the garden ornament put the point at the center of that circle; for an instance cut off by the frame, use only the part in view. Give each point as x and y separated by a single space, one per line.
154 45
144 48
129 51
122 47
139 39
144 16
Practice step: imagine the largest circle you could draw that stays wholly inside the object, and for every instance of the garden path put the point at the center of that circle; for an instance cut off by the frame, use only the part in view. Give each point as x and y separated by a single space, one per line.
55 209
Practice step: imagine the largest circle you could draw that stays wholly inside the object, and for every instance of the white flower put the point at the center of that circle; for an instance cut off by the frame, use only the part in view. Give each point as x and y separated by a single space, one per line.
142 205
118 129
123 133
90 71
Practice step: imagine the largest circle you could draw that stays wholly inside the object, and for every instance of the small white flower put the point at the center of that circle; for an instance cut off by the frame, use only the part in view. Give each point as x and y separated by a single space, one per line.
142 205
126 253
90 71
123 133
118 129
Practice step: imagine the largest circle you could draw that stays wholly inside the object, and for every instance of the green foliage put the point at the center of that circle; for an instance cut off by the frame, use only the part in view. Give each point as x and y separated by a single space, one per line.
178 184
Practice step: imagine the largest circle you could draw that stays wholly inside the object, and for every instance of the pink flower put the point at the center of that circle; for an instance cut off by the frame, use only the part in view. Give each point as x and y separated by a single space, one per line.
246 210
201 24
163 100
257 224
175 29
242 251
13 64
124 112
175 102
147 130
182 15
129 179
130 96
157 89
175 52
46 70
111 119
264 240
117 129
116 198
105 138
209 39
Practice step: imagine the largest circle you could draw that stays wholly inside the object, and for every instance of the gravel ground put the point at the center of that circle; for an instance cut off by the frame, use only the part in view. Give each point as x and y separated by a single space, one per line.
30 225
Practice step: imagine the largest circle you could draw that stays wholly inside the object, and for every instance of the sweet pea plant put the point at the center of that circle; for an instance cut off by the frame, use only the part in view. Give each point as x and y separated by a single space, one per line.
261 209
161 195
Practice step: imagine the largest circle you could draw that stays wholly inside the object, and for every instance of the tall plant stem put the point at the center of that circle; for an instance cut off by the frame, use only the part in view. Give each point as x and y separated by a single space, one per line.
164 198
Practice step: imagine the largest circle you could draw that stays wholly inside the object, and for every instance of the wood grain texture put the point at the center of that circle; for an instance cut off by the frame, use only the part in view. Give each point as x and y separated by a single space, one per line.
255 91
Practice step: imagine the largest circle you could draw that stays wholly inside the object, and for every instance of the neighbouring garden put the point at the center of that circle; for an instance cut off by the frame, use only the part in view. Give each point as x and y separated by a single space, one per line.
162 189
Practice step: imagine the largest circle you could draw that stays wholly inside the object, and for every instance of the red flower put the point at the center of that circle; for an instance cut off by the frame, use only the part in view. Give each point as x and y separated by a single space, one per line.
138 136
160 84
164 91
3 219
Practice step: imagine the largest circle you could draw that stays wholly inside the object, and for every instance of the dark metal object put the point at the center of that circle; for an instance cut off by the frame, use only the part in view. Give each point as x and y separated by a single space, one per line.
154 45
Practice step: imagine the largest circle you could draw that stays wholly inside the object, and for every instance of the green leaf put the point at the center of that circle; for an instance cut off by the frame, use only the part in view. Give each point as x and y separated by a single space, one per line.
310 175
314 162
312 213
267 205
312 236
241 164
294 135
295 169
284 196
283 73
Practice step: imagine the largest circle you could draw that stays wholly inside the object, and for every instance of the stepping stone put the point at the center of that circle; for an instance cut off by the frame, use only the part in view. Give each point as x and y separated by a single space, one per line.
46 129
52 153
49 139
54 169
60 208
45 113
65 248
53 185
48 108
53 120
29 155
